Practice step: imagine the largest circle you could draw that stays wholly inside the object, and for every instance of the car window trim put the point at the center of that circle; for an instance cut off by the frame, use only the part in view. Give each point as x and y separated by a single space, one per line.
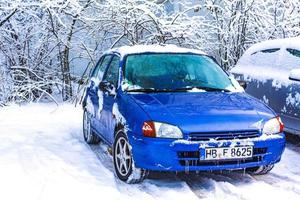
123 61
108 65
97 65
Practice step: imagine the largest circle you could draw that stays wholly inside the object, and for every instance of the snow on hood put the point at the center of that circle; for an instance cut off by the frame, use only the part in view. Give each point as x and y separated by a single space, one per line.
137 49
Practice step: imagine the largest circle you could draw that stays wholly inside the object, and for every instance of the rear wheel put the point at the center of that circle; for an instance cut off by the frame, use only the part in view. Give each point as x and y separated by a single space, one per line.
123 162
261 170
88 135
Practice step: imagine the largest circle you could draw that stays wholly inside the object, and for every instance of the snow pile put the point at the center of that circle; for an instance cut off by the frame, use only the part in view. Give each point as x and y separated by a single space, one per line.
89 104
128 86
293 100
295 74
221 143
100 103
119 117
273 44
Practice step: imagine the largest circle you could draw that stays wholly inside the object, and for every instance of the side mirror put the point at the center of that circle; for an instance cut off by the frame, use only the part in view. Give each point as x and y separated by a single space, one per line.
105 86
243 84
294 75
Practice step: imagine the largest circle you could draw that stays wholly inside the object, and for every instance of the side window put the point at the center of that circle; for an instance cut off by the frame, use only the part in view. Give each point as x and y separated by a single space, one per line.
100 69
294 52
265 58
267 51
112 73
270 50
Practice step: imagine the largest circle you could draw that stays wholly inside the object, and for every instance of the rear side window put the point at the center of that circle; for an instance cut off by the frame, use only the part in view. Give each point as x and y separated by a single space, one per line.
265 58
294 52
267 51
112 73
100 69
270 50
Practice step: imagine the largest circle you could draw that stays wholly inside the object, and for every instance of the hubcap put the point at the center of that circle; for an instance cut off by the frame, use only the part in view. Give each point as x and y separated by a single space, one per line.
86 127
122 155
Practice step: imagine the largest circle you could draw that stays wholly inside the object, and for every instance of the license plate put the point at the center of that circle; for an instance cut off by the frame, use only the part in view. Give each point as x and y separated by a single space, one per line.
228 153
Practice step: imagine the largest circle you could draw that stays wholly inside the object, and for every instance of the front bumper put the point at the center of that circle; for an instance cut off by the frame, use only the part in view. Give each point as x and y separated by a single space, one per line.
182 155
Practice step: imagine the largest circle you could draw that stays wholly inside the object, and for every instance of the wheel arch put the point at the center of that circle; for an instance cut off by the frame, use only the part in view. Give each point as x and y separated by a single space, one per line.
119 126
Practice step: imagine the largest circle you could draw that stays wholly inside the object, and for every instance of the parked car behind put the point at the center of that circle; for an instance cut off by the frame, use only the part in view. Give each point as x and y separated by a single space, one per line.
272 72
165 108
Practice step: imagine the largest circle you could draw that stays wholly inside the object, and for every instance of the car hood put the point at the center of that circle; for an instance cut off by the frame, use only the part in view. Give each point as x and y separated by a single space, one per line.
205 111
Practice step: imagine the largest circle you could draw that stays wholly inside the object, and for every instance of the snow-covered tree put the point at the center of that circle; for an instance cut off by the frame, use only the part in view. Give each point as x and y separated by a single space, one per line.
44 45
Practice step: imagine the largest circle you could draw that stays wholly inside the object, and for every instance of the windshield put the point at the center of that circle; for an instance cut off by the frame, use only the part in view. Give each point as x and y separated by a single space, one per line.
166 71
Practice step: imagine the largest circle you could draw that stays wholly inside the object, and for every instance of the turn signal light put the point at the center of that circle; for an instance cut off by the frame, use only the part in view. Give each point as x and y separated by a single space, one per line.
149 129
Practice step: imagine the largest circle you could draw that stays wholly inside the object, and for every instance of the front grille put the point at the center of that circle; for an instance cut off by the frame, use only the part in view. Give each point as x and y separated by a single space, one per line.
188 154
206 136
219 162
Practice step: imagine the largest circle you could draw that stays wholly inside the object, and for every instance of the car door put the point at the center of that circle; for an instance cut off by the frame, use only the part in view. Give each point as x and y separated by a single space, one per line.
110 78
291 111
93 91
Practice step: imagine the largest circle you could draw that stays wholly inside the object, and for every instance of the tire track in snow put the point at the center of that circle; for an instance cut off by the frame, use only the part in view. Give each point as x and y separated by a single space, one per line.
157 186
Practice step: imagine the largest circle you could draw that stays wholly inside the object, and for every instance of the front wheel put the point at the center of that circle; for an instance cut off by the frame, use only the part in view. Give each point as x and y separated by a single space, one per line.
88 135
261 170
123 162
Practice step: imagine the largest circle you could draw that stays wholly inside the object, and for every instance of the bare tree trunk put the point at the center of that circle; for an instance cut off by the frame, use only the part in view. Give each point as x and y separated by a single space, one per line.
67 82
67 91
8 17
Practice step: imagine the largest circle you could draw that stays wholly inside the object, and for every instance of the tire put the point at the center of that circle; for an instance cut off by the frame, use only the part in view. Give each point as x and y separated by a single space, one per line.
261 170
123 162
88 135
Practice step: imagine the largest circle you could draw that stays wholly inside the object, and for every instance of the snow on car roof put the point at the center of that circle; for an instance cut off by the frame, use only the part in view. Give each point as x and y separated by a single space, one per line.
274 66
277 43
137 49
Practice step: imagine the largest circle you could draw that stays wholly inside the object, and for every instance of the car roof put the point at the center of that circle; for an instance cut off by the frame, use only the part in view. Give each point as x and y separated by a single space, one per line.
293 43
139 49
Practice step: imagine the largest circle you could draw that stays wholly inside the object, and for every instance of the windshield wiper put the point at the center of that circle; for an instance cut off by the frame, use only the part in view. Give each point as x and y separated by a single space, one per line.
158 90
177 89
204 88
213 89
143 90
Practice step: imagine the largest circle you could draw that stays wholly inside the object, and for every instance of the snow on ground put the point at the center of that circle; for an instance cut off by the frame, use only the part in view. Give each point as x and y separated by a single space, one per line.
43 156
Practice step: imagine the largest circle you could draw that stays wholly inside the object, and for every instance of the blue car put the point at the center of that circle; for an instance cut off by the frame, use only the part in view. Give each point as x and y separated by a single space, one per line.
165 108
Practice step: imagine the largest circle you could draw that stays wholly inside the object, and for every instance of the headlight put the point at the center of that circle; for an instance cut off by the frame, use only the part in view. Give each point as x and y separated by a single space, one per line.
161 130
273 126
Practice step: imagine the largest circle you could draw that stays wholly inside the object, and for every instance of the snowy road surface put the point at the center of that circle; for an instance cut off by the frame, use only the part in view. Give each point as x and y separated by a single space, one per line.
43 156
